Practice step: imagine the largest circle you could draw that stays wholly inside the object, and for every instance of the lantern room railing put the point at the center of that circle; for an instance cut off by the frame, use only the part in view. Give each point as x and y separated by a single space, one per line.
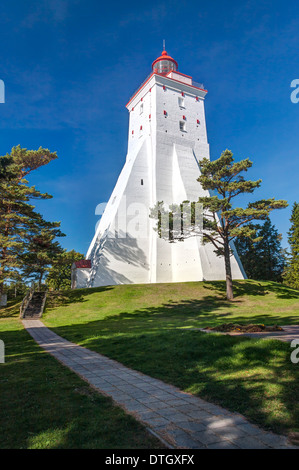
196 84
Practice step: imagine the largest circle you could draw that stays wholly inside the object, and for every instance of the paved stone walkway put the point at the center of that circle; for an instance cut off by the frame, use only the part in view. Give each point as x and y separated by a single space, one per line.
290 332
177 418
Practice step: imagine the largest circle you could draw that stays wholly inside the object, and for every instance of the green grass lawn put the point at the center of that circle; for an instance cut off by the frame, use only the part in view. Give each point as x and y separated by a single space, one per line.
147 327
45 405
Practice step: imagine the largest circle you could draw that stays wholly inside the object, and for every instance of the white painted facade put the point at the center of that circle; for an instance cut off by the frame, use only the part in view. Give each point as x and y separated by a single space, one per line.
79 276
161 165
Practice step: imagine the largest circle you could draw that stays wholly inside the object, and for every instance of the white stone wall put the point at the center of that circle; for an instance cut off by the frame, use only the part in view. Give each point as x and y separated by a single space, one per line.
80 278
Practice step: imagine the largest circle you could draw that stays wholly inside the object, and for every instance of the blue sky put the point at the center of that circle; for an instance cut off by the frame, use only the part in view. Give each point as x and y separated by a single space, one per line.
70 66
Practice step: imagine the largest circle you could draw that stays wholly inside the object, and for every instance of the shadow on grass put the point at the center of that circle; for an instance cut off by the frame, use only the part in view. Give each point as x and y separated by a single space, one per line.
60 298
283 292
188 313
171 315
253 288
45 405
12 309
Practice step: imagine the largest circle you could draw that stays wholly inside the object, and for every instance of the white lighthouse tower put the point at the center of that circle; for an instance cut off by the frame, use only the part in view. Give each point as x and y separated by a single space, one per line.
167 137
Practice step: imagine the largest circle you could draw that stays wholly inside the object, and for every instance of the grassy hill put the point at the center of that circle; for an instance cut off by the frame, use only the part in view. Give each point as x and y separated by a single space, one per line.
147 327
191 304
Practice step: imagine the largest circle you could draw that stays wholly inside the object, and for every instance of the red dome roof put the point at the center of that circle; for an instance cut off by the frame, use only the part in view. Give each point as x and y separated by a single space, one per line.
165 56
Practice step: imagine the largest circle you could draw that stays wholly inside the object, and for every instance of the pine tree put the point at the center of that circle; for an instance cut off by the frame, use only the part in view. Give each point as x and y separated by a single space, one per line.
42 251
263 260
17 215
223 177
59 276
291 274
222 222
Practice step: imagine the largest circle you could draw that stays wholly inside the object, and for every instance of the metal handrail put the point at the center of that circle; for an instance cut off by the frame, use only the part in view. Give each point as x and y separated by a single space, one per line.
26 301
198 85
194 83
43 304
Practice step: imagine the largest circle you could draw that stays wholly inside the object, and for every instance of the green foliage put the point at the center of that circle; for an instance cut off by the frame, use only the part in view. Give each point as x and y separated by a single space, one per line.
291 274
18 220
264 259
17 288
222 222
59 277
41 250
222 176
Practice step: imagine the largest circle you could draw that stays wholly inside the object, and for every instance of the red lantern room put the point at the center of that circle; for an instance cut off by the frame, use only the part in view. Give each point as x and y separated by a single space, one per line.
164 64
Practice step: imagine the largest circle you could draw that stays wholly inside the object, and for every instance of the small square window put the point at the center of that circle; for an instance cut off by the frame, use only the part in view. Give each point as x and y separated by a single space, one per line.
182 126
141 108
181 102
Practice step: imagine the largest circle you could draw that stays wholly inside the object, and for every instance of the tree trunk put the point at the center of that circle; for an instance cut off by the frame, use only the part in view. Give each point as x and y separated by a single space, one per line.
228 271
40 282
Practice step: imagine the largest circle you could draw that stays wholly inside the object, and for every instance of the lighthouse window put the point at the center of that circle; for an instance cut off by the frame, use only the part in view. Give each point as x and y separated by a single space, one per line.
141 108
181 102
182 126
141 182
